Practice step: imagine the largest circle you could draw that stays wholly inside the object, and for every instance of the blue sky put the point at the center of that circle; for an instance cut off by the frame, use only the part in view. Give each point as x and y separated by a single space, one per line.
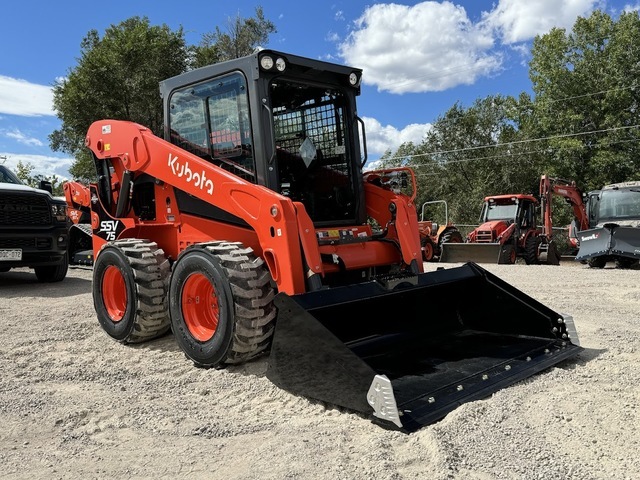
419 58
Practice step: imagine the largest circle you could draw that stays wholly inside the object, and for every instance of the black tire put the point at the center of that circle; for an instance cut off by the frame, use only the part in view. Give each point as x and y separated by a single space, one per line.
236 320
597 262
451 236
428 249
531 246
130 284
53 273
508 254
626 262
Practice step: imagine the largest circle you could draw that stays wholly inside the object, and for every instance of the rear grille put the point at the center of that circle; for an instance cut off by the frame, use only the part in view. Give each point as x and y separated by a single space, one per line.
19 209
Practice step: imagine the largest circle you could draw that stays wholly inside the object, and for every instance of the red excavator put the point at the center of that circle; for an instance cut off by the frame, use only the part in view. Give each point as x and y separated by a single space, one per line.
252 229
510 230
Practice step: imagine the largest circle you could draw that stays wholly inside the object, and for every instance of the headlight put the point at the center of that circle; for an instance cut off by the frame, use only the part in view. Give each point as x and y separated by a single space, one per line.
266 62
354 79
59 212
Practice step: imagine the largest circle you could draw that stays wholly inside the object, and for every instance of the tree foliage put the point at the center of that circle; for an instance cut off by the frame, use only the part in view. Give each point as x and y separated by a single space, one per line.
242 37
116 77
24 171
587 98
582 123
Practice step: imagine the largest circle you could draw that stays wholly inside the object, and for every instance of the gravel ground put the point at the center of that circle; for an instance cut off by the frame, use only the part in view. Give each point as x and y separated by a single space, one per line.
76 404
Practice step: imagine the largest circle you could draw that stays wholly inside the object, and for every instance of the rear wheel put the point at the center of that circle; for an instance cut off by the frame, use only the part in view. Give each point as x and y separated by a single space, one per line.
452 236
626 262
53 273
221 304
531 247
130 279
428 249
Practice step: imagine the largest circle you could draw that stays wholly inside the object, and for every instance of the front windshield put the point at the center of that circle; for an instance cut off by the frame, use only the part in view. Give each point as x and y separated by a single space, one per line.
500 212
7 176
621 203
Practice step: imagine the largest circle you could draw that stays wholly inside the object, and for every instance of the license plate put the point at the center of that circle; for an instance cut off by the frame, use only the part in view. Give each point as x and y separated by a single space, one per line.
8 255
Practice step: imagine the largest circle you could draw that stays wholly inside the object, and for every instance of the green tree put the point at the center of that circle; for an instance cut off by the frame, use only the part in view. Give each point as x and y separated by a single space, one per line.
587 98
24 172
473 152
243 37
116 77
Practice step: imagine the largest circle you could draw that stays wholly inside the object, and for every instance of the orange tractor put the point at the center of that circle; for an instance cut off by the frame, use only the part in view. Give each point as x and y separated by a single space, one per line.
252 229
433 234
510 228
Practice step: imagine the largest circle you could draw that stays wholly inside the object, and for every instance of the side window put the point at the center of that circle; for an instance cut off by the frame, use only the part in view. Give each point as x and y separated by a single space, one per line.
211 120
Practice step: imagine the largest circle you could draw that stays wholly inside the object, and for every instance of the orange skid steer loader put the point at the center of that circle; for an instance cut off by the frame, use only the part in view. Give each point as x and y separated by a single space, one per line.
251 229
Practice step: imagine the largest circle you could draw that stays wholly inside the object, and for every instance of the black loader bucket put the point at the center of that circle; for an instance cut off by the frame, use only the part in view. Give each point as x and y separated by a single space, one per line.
471 252
405 357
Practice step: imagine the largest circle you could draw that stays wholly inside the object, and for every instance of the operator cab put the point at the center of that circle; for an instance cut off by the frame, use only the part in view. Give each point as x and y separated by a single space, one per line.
282 121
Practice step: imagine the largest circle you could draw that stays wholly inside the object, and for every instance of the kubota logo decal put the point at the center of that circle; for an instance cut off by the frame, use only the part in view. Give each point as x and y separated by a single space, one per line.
198 179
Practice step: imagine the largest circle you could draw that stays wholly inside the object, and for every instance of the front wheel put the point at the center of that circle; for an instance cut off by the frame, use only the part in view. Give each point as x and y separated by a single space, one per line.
508 254
428 249
221 304
130 289
53 273
597 262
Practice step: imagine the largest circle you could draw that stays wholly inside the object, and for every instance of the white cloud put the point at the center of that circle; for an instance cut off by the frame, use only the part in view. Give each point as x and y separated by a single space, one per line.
521 20
20 137
430 46
434 46
382 138
42 164
19 97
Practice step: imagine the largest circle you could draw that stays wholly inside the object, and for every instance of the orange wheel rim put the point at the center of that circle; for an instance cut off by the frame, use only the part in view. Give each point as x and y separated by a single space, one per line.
200 308
427 253
114 293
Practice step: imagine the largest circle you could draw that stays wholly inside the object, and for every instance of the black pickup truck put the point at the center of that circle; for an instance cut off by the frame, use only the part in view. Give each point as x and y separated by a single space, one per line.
34 228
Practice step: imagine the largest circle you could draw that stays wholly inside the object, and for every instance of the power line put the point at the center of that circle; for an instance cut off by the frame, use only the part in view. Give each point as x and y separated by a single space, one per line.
508 144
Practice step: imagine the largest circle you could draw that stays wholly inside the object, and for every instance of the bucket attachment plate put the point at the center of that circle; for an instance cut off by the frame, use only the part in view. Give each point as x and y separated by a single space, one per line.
470 252
404 358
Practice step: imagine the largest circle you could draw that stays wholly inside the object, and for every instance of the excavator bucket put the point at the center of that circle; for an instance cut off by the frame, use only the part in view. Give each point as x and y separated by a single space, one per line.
405 358
471 252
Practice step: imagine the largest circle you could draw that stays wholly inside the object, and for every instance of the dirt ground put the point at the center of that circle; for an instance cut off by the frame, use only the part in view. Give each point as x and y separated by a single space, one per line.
75 404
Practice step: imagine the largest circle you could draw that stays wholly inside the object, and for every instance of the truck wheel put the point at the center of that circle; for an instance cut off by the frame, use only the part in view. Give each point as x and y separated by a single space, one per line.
597 262
221 304
53 273
130 283
531 246
428 249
